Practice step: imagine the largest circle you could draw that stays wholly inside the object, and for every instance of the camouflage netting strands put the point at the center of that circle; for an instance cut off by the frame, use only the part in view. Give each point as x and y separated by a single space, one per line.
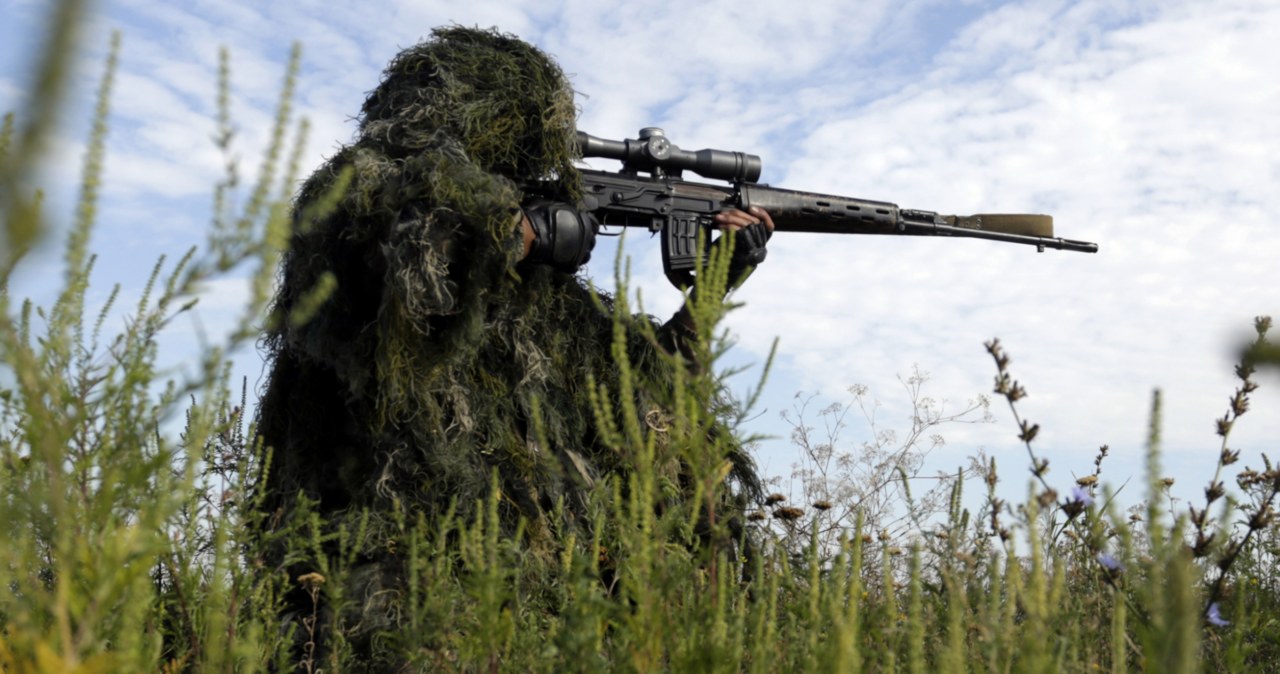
507 103
413 377
408 343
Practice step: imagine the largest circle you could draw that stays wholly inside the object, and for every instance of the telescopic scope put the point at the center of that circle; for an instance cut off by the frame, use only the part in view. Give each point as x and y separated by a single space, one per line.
653 153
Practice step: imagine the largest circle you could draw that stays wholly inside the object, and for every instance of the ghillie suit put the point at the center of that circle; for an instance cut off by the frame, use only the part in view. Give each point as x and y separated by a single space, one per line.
408 342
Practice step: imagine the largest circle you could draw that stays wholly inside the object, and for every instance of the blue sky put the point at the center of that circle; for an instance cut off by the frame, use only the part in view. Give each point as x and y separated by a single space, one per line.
1152 128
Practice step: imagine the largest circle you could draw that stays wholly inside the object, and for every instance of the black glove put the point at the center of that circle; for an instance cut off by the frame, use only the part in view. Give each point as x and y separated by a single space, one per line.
749 247
748 251
563 235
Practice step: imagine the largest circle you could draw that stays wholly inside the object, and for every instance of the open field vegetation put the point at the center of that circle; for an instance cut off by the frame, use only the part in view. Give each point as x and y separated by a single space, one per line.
123 549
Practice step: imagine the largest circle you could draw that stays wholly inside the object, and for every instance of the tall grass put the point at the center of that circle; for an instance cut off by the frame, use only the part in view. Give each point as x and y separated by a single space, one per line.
127 550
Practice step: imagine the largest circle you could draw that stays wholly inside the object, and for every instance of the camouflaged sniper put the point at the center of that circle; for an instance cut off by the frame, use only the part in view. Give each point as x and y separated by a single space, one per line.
407 344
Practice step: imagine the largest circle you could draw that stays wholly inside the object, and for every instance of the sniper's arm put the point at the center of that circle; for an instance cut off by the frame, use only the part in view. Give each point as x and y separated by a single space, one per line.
752 228
565 240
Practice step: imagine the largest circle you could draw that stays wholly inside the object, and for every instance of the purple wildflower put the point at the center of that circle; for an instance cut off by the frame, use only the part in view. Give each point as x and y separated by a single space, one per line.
1109 562
1214 617
1079 495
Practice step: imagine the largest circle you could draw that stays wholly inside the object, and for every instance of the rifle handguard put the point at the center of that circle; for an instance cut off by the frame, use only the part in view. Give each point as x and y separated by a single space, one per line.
563 235
1024 224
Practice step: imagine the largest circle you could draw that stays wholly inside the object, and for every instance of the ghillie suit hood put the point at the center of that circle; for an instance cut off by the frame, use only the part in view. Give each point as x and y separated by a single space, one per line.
410 349
504 102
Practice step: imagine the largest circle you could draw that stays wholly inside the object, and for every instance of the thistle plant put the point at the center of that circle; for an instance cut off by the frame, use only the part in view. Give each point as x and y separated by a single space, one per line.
1081 496
1264 487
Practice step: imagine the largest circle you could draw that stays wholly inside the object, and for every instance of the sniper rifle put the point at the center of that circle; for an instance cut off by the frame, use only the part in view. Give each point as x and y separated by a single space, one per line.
664 203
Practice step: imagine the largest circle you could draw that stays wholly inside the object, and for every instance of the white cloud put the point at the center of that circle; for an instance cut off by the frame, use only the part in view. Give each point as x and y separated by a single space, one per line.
1130 142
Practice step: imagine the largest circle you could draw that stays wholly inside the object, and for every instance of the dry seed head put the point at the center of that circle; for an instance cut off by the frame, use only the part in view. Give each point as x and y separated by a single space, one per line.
789 514
1203 542
1244 371
1003 384
822 505
1240 403
1087 480
997 353
1041 467
311 580
1262 519
772 499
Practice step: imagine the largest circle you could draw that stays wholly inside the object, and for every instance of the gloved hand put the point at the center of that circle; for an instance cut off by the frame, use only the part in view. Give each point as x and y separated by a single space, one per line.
563 235
751 232
749 248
